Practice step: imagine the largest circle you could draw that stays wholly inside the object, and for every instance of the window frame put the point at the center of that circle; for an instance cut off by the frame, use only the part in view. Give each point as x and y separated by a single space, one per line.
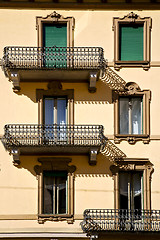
56 164
59 19
133 164
131 89
55 90
126 20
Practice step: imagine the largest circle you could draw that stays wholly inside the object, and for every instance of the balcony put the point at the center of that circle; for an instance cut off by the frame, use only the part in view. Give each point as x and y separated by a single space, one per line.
120 220
33 139
37 64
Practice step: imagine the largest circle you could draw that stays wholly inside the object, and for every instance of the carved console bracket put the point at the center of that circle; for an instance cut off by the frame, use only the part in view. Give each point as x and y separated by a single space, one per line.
16 154
92 82
14 77
93 156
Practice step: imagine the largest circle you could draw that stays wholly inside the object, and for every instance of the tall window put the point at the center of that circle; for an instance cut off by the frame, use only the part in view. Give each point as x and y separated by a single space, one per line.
130 115
55 118
54 192
131 190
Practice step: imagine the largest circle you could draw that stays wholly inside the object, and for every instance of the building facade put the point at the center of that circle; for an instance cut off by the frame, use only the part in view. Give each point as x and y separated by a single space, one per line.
79 120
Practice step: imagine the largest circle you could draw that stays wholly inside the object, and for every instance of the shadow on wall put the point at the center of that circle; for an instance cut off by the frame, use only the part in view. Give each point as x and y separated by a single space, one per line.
81 94
102 168
29 89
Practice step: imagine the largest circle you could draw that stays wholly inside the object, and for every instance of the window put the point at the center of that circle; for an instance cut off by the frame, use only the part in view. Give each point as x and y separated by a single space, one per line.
132 183
131 190
132 41
55 110
55 189
54 192
131 115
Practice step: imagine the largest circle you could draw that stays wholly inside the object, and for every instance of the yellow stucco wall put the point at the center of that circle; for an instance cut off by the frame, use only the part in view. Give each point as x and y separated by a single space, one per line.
94 185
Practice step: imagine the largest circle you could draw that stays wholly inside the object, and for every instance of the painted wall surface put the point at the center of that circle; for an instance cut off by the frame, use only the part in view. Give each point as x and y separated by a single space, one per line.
94 185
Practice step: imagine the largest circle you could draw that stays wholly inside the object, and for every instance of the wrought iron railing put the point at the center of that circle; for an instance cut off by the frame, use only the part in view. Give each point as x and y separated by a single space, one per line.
97 220
17 135
53 57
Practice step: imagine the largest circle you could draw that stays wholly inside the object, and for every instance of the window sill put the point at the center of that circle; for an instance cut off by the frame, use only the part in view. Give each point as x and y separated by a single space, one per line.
52 217
119 64
132 138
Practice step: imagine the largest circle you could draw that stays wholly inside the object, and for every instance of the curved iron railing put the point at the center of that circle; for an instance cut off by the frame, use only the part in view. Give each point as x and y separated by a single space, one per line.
53 57
17 135
97 220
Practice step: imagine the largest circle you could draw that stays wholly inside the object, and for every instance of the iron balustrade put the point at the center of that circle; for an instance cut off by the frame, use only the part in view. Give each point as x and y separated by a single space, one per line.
97 220
53 57
17 135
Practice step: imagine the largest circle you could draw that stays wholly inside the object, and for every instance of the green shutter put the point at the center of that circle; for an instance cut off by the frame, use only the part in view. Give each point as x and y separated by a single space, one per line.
131 42
55 35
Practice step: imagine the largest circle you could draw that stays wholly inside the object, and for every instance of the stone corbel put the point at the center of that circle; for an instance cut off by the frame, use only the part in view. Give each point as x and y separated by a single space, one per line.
92 82
14 77
93 156
15 153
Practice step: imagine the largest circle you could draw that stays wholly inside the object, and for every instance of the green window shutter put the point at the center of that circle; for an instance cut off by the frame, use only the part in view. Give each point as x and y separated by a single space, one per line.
131 42
55 35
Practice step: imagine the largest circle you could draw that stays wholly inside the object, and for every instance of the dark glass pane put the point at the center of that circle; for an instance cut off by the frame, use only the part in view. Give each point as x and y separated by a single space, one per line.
55 173
124 115
49 110
137 190
61 119
61 111
54 193
137 115
123 189
48 195
61 184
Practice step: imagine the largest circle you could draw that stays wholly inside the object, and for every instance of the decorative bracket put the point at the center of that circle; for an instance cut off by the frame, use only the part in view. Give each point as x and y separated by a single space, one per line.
14 77
93 156
92 82
15 153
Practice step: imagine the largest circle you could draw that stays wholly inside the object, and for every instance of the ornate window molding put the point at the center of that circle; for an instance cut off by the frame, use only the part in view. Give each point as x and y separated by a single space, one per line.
128 20
134 164
55 90
57 18
56 164
131 89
